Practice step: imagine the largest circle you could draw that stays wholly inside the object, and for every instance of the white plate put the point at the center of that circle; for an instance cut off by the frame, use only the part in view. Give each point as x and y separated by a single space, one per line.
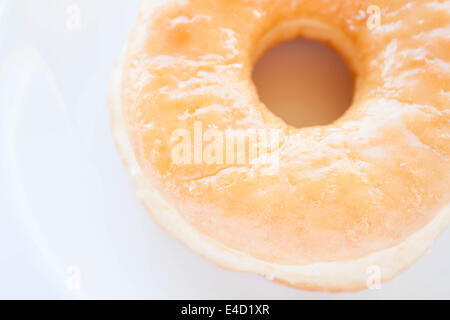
70 225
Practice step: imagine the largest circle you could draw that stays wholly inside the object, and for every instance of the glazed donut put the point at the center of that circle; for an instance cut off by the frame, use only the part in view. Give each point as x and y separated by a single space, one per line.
370 190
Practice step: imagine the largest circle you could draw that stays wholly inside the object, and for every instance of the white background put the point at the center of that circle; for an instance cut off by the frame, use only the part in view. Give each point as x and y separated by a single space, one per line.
70 225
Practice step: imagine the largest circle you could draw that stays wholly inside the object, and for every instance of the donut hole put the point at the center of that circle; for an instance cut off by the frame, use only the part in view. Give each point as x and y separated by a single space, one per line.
304 82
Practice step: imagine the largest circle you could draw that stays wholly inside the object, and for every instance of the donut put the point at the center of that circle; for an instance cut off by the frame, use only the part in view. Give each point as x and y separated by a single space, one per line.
317 208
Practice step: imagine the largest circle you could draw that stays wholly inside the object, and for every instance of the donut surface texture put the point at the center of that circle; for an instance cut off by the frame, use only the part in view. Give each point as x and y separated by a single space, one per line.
370 189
